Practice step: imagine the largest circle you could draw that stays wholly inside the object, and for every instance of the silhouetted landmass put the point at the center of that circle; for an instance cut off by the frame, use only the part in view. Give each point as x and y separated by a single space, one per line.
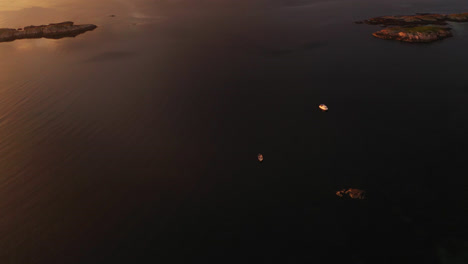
56 31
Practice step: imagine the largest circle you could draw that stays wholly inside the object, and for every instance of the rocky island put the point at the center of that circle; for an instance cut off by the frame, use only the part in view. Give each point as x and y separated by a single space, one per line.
56 31
352 193
419 28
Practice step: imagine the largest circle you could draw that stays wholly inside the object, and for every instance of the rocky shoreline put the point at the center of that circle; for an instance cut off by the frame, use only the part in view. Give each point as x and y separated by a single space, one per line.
56 31
423 34
419 28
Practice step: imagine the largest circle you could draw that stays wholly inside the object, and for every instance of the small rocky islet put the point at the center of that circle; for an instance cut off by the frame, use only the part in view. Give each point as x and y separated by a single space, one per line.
352 193
419 28
56 31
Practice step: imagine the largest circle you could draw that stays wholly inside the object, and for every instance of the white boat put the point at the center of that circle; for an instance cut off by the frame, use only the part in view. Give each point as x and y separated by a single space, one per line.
323 107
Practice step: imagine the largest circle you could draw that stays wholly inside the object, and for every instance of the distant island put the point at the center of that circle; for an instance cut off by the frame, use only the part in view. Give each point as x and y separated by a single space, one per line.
55 31
419 28
352 193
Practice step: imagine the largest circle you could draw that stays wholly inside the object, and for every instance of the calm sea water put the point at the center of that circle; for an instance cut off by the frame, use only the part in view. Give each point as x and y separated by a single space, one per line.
137 142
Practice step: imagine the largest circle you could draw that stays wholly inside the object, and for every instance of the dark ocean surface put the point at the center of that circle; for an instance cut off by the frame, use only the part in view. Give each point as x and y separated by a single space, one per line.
137 142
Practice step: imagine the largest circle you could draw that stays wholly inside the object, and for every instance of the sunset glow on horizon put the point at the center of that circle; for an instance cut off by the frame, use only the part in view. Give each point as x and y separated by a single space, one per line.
22 4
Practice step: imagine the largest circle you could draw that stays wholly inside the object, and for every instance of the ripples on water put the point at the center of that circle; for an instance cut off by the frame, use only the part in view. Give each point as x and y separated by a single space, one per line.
146 130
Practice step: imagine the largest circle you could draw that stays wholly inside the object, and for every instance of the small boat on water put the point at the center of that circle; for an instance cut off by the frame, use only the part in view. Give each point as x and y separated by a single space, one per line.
323 107
260 157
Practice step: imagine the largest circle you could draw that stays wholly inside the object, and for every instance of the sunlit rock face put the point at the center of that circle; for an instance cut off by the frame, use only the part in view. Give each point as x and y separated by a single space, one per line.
418 19
59 30
419 28
352 193
458 17
423 19
414 34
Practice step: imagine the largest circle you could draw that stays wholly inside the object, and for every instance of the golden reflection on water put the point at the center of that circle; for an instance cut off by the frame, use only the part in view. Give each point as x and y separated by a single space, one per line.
39 44
9 5
20 13
34 72
16 5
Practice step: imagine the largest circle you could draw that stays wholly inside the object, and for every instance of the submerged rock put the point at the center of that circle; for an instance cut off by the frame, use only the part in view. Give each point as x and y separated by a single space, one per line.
414 34
419 28
352 193
59 30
